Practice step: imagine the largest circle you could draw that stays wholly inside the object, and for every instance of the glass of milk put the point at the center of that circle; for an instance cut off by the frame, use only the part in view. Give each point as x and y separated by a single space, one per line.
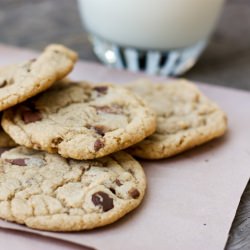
156 36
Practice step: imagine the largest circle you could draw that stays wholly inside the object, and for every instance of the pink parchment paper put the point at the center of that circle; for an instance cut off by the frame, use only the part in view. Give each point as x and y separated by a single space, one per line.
191 199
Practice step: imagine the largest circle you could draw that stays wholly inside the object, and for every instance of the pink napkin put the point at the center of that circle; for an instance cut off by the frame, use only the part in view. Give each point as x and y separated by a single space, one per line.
191 199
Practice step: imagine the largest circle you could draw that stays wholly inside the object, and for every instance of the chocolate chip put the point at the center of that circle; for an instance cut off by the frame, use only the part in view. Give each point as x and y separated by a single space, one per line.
101 89
118 183
33 60
29 116
19 162
98 145
3 83
102 199
134 193
56 141
100 130
112 190
3 149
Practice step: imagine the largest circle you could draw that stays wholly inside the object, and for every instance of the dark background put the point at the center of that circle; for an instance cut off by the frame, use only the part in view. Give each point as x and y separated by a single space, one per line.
36 23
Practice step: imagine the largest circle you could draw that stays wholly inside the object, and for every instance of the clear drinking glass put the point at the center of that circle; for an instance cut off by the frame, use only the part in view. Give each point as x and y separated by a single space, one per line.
163 37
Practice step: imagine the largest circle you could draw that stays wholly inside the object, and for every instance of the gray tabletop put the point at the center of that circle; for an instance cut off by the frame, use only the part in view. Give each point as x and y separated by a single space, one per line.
226 61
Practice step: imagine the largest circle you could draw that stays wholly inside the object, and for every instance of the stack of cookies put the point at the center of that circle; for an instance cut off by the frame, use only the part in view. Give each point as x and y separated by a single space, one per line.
61 165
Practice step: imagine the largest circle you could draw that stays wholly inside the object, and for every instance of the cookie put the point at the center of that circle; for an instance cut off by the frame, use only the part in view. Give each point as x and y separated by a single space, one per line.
22 81
48 192
80 120
185 118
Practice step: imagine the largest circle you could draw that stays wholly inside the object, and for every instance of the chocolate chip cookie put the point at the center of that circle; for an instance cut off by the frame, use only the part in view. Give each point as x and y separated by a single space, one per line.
185 118
48 192
22 81
80 120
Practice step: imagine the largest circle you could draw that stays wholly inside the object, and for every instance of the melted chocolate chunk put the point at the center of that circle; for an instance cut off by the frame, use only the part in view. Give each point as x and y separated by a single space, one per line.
100 130
101 89
134 193
19 161
56 141
118 183
29 116
98 145
102 199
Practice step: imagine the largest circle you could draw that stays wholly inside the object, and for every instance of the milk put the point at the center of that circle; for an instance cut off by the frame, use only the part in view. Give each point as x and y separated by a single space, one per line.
151 24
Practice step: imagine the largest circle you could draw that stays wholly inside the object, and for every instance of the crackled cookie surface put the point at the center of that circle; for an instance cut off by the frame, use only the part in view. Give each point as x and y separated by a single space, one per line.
48 192
80 120
185 118
22 81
